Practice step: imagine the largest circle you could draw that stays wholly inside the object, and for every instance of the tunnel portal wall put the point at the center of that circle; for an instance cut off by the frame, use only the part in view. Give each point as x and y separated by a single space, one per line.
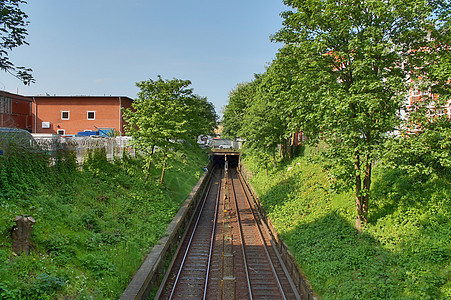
219 159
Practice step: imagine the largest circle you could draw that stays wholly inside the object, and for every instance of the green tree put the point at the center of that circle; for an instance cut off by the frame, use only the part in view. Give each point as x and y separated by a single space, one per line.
257 126
201 117
260 112
431 77
352 75
436 61
166 114
240 100
278 87
12 34
423 150
265 123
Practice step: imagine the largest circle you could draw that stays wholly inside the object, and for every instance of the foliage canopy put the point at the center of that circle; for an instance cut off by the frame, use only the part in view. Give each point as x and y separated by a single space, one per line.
13 22
167 114
342 76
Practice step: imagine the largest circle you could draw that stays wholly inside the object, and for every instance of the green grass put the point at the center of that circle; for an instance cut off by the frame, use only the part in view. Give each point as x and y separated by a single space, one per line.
93 227
403 252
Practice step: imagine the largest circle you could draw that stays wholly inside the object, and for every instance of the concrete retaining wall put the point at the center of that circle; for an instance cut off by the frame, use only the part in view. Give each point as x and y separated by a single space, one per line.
152 270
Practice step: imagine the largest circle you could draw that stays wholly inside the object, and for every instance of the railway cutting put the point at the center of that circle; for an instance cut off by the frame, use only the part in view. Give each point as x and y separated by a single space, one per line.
227 251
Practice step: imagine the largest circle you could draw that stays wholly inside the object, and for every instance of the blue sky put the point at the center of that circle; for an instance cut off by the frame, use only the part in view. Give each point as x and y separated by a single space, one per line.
103 47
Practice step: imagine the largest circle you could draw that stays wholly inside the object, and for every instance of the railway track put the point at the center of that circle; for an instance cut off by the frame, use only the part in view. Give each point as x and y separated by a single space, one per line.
227 252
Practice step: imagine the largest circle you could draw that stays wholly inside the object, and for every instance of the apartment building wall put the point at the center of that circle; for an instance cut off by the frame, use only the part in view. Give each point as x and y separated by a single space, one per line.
69 115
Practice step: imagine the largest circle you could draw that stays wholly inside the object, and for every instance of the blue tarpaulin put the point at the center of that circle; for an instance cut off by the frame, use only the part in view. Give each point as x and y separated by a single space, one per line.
87 133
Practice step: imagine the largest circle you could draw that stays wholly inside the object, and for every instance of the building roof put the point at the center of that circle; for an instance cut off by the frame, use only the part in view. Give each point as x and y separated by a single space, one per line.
15 96
81 96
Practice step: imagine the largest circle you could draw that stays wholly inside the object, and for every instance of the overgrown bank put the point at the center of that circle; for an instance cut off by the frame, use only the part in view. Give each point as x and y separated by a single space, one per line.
93 227
402 253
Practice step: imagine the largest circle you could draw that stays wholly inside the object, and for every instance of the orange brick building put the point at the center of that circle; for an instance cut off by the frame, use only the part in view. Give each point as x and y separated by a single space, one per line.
15 111
68 115
415 96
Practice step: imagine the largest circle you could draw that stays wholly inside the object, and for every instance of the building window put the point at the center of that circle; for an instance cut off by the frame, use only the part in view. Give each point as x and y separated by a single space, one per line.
91 115
65 115
5 105
61 131
415 96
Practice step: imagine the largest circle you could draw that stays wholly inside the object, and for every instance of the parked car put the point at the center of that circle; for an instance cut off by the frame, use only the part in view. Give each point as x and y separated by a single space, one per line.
16 138
222 144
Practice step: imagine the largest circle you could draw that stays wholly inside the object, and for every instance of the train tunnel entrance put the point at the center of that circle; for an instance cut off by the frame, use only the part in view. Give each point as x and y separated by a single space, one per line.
220 158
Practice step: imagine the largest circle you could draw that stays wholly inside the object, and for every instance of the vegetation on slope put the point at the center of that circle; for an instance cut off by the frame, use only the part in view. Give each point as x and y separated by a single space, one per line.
93 227
402 253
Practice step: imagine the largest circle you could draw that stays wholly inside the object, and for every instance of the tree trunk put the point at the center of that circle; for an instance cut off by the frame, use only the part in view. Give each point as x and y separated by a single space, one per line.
362 192
149 164
274 160
163 169
21 234
366 187
293 144
284 151
358 195
289 149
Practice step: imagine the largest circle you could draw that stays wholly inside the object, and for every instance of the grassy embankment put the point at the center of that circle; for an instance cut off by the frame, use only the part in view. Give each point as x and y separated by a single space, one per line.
403 252
93 227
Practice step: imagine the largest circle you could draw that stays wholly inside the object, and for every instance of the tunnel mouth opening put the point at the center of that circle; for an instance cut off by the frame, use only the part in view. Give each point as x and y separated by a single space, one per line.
219 160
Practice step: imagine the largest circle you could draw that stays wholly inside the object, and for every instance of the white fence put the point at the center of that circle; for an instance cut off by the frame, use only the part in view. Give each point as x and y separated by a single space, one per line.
114 146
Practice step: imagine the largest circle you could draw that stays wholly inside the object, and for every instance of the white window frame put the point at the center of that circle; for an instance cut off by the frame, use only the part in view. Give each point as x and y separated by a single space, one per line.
61 130
87 115
68 115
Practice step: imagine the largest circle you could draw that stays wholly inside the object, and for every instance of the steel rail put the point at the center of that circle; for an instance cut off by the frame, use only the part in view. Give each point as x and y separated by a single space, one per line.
247 191
212 239
246 268
262 239
191 239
